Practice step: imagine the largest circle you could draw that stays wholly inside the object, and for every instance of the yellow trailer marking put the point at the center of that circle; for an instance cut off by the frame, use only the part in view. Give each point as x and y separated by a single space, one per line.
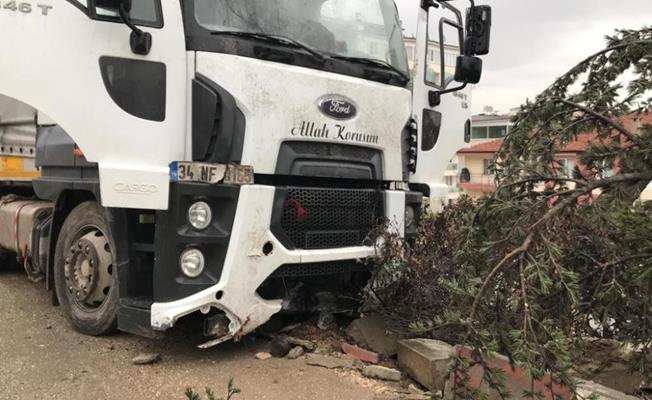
12 164
14 167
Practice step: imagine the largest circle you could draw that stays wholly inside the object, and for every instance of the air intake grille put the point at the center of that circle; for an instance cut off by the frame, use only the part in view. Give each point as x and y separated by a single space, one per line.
319 269
323 218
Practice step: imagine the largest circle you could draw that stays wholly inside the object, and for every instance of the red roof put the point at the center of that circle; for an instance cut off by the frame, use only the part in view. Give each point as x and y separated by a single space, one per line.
576 146
484 147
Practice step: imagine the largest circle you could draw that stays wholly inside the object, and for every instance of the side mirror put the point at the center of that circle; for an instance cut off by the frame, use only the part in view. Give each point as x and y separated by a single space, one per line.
114 4
478 31
468 69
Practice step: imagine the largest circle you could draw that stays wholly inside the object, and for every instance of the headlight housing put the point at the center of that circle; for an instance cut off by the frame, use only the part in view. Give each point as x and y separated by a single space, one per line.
192 262
413 204
410 219
200 215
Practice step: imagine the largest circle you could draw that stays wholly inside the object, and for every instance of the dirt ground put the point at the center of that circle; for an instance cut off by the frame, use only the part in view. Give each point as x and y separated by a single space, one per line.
41 357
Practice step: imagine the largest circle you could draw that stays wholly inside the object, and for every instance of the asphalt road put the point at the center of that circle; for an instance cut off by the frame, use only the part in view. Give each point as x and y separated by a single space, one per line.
41 357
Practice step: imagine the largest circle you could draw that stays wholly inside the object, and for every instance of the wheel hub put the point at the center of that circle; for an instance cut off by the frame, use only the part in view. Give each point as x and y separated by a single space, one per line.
89 269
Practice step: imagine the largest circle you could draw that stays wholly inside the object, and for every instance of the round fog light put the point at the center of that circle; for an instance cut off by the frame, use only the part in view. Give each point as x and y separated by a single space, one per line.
200 215
192 263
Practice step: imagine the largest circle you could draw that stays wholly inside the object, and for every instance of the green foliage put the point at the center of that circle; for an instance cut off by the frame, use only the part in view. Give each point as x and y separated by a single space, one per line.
547 260
210 395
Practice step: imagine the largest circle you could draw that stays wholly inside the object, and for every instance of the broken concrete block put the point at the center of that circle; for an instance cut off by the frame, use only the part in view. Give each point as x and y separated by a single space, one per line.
360 354
426 361
329 362
588 388
371 332
646 194
412 389
429 361
517 380
306 344
295 353
619 377
379 372
263 356
146 359
402 396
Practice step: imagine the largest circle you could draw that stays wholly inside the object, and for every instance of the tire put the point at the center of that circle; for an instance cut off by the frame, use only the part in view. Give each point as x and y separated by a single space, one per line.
78 270
4 260
8 261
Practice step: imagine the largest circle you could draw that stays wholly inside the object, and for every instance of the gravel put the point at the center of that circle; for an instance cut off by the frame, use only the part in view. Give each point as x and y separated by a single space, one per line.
43 358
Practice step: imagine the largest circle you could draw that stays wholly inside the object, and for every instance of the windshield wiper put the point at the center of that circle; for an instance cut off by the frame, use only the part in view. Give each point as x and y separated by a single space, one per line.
375 63
276 39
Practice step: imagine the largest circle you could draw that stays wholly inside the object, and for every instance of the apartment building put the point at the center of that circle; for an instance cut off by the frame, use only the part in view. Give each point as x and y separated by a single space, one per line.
475 177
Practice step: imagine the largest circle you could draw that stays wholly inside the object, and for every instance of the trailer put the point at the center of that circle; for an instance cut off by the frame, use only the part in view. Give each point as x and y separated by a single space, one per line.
222 158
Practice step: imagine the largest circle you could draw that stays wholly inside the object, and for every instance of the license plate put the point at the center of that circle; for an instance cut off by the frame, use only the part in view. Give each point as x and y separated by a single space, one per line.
182 171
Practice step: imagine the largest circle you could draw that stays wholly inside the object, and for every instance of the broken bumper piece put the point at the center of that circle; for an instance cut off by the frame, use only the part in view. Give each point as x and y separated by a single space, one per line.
254 254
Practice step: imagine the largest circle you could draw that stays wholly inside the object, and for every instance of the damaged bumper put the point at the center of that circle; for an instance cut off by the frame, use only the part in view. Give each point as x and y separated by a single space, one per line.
254 254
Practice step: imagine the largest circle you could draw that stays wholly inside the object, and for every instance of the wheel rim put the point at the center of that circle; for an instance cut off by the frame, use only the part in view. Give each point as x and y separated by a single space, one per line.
88 269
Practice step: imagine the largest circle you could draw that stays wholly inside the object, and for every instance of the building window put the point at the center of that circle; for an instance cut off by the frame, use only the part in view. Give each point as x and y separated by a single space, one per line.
451 59
496 132
449 181
489 132
479 132
486 167
410 53
566 167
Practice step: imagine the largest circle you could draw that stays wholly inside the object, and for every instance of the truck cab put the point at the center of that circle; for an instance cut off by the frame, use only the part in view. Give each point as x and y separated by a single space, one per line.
219 157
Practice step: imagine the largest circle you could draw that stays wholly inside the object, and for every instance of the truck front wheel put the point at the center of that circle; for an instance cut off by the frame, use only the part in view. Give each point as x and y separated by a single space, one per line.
84 274
7 260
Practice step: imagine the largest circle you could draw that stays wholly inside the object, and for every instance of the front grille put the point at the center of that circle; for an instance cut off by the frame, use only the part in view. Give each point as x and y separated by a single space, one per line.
319 269
323 218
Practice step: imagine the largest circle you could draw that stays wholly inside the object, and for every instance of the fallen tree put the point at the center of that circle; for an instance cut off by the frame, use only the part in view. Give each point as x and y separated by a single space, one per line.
549 260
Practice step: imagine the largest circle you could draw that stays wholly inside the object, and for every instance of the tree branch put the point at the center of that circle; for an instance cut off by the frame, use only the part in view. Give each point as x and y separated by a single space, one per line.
549 214
620 128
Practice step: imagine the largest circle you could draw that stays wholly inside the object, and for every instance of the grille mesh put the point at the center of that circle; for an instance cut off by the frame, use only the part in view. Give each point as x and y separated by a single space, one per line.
318 269
318 218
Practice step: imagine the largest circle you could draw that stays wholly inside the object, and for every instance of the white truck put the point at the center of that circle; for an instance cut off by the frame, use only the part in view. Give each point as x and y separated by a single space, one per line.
225 158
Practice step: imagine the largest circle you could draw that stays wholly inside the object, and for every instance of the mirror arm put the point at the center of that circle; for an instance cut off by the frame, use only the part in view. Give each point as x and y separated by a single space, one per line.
124 15
140 41
426 4
434 97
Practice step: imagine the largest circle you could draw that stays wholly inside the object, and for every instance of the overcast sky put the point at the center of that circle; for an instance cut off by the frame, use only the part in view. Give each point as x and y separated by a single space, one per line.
535 41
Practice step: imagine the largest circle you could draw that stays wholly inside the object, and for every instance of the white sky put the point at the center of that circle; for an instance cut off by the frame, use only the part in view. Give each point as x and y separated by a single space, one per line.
535 41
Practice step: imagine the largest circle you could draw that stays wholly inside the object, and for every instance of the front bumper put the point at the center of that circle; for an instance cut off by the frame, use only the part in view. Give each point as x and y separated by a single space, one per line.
249 262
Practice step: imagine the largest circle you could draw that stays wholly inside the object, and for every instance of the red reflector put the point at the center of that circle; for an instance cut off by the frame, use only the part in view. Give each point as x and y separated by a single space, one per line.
303 214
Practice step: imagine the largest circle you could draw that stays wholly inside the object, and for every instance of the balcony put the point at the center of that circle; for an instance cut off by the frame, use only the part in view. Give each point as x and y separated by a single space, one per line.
479 182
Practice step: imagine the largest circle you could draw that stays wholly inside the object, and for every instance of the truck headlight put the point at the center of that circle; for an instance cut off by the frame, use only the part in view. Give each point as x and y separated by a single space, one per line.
200 215
192 262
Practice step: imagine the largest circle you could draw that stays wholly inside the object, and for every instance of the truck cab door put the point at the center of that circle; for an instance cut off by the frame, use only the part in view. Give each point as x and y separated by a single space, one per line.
125 110
443 122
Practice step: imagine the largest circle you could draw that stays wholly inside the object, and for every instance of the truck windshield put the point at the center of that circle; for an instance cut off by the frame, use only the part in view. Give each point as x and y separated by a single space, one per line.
360 29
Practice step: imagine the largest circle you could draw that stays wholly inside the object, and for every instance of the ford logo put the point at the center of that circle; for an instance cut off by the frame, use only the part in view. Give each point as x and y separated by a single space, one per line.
337 107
